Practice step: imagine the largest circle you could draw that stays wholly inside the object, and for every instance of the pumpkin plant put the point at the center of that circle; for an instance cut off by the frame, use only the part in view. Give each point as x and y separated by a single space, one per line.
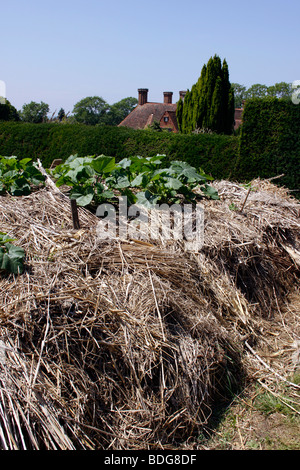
11 256
17 177
85 177
143 180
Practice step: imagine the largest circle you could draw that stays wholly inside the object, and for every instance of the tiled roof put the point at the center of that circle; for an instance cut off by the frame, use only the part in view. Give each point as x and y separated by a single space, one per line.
146 114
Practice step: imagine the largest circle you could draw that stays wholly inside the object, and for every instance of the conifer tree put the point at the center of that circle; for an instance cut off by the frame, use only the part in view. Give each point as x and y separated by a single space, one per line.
179 110
210 103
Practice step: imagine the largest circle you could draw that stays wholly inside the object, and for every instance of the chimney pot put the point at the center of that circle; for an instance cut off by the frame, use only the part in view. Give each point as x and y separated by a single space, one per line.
143 95
168 97
182 95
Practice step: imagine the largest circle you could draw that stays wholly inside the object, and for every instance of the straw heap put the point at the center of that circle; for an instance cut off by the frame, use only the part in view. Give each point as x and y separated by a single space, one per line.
123 344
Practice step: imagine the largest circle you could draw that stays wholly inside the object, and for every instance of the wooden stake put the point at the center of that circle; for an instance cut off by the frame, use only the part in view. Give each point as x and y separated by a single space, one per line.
74 208
246 199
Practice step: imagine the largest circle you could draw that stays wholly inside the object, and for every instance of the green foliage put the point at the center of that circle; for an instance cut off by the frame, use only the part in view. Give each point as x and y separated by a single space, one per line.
94 110
61 114
8 112
11 256
34 112
118 111
144 180
155 127
84 175
270 142
279 90
216 154
210 102
179 111
90 110
18 176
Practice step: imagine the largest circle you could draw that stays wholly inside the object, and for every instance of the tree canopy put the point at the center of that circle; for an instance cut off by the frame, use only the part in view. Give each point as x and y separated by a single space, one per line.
280 90
95 110
118 111
8 112
90 110
34 112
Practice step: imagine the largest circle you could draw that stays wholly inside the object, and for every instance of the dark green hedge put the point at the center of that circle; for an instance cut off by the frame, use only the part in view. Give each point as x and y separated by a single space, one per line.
215 154
270 142
268 145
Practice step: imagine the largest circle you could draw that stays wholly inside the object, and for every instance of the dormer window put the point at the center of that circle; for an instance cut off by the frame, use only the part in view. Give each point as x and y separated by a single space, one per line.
166 119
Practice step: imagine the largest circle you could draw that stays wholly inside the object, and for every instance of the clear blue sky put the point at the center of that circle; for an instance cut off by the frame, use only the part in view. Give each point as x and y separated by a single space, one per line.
62 51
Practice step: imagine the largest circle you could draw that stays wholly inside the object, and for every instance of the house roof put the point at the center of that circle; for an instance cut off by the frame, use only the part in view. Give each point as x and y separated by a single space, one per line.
145 114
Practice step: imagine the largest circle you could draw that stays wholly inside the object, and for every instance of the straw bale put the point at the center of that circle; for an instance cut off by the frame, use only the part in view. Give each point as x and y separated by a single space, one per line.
129 345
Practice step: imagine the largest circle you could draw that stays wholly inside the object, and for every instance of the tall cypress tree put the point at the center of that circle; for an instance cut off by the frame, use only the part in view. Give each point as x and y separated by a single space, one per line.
228 100
210 103
215 118
179 110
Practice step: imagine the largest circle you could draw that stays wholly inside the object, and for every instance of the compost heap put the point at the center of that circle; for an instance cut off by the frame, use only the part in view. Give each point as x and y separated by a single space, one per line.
124 344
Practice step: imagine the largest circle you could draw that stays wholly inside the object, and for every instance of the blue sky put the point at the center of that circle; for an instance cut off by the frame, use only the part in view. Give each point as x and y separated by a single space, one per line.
62 51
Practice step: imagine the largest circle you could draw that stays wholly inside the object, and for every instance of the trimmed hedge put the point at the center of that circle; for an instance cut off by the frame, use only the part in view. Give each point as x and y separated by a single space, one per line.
268 145
215 154
270 142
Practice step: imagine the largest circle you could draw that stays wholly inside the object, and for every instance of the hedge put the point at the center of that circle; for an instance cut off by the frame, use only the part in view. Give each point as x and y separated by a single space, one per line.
270 142
268 145
215 154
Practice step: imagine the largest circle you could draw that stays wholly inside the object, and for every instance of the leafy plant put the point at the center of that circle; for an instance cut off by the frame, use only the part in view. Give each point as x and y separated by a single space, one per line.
160 183
18 176
143 180
85 175
11 256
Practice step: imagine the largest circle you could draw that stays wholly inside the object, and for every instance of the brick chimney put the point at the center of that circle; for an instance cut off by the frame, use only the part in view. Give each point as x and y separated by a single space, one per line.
182 95
168 97
143 95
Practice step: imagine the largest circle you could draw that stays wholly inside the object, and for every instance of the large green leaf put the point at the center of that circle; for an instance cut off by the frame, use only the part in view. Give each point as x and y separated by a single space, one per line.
147 199
210 192
121 182
79 161
83 196
10 174
103 164
140 180
11 258
125 163
81 173
34 175
23 162
172 183
157 174
20 187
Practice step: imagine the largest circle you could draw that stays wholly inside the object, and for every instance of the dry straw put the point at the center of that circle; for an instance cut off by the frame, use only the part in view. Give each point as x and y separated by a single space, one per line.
124 344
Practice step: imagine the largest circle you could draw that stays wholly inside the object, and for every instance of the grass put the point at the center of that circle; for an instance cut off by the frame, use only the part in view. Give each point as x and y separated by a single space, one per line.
259 420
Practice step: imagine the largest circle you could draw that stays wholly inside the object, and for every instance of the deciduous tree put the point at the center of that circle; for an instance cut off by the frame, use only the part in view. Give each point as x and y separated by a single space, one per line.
118 111
34 112
90 110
